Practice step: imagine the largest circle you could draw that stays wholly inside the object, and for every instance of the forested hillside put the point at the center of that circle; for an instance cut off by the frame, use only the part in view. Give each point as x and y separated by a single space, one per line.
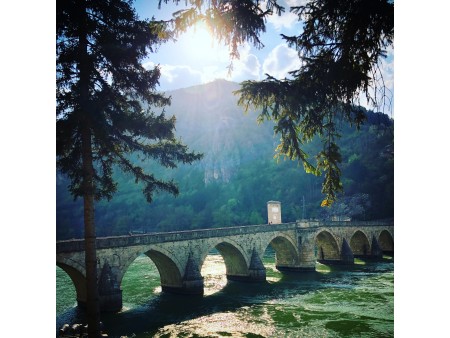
238 174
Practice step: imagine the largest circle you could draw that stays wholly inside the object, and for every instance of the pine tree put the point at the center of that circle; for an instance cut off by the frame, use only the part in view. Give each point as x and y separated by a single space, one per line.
102 95
340 48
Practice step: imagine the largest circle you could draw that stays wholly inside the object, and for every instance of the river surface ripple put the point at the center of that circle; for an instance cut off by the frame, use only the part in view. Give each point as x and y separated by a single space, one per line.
331 302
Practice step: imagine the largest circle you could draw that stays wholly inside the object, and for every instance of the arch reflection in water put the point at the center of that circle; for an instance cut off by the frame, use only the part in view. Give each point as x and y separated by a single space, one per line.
65 292
354 302
213 272
140 283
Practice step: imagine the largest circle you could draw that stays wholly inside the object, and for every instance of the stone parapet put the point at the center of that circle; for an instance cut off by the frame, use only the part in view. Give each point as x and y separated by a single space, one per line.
175 236
179 256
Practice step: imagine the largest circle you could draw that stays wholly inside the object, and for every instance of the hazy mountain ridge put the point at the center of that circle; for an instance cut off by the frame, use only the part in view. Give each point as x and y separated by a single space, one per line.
209 120
237 176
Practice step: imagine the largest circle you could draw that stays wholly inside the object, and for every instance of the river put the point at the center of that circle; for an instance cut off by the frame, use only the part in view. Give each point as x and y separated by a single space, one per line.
353 301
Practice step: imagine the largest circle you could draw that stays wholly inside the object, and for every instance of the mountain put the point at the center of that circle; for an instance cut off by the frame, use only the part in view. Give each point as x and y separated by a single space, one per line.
209 120
238 175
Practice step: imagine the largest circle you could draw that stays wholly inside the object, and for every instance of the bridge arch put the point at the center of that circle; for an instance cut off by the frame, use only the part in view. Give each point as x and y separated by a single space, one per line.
236 262
327 246
386 241
169 268
285 250
170 272
78 280
359 243
73 263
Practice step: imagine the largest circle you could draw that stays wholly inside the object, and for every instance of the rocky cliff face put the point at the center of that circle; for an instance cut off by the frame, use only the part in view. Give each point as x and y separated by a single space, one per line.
209 120
238 155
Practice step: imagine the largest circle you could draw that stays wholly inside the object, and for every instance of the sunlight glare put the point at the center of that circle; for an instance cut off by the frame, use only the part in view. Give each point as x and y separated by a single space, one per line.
203 45
201 48
214 273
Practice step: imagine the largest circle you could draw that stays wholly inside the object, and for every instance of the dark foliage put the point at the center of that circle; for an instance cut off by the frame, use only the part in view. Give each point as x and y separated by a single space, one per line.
340 47
234 144
100 87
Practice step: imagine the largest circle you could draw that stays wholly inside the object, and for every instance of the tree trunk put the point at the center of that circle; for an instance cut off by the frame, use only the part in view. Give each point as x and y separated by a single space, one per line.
92 306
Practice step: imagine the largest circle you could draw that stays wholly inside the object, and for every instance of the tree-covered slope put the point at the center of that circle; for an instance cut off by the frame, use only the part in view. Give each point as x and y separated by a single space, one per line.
238 175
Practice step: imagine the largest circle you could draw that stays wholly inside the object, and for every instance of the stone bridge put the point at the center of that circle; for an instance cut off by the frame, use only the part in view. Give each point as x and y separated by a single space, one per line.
179 256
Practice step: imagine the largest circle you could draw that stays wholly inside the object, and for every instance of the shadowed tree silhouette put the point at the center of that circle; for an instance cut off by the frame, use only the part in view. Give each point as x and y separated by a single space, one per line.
100 117
340 46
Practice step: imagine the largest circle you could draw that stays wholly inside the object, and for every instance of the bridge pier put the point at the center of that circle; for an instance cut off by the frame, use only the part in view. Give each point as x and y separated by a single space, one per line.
187 288
111 302
191 283
294 268
376 251
110 294
305 263
108 303
346 256
297 246
256 271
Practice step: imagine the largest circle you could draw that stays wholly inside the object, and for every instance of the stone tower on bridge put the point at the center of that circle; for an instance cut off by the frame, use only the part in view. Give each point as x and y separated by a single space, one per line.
274 212
179 256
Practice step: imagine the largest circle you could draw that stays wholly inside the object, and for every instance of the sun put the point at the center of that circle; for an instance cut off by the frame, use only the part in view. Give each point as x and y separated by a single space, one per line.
202 46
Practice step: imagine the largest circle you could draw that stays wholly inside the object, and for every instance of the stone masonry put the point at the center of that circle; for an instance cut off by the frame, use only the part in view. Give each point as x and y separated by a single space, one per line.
179 255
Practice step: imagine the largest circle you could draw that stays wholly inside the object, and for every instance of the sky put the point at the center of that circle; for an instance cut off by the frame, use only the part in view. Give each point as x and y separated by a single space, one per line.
27 148
196 58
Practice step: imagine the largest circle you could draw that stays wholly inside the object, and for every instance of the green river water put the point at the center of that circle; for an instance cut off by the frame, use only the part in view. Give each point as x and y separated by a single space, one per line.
353 301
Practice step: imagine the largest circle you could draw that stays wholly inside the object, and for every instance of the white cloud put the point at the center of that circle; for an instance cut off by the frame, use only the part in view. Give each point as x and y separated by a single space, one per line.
387 68
280 61
251 65
212 72
384 94
247 67
179 76
384 85
149 64
176 76
292 3
285 20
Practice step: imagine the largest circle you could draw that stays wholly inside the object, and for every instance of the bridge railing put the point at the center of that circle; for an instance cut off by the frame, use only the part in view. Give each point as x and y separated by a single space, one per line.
75 245
314 224
161 237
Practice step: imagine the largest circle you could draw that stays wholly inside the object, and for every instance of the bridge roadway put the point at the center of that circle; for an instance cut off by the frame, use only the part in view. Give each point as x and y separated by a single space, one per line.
179 255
